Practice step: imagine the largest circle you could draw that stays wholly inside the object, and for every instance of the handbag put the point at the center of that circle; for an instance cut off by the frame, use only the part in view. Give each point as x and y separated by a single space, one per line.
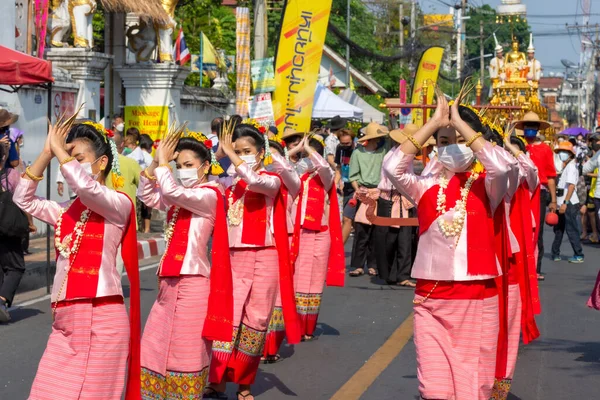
13 221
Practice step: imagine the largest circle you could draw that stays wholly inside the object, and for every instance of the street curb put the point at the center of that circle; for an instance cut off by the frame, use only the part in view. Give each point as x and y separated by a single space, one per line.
150 248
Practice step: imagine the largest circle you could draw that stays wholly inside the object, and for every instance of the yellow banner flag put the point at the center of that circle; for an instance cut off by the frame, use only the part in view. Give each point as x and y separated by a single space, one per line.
151 120
427 73
298 62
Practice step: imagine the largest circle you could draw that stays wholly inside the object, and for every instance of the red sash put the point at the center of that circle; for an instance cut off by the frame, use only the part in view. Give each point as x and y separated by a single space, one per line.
315 208
522 263
481 259
83 275
219 319
535 209
502 252
254 226
171 263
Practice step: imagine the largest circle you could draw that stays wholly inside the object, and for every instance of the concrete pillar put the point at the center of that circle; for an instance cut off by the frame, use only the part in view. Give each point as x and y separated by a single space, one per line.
7 28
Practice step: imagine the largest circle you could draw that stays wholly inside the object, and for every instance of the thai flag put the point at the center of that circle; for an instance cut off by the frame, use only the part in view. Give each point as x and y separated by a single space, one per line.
182 54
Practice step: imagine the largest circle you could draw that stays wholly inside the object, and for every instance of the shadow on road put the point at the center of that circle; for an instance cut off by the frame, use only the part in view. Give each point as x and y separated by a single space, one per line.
266 381
20 314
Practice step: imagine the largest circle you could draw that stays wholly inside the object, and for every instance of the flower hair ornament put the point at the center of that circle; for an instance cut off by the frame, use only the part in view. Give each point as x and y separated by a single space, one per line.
215 167
118 181
263 131
277 138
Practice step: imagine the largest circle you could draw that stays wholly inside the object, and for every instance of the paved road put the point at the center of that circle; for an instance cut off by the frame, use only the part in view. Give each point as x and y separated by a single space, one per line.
356 324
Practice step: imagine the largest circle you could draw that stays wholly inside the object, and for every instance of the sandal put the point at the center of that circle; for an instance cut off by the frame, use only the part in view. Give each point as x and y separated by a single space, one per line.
210 393
372 272
407 284
593 238
357 272
309 338
541 277
271 359
243 396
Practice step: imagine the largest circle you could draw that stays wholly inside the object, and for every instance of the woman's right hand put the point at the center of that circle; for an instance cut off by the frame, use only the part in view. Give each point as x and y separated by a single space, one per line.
226 144
441 116
298 148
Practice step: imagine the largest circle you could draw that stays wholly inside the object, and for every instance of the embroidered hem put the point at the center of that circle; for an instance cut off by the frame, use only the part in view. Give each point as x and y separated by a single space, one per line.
176 385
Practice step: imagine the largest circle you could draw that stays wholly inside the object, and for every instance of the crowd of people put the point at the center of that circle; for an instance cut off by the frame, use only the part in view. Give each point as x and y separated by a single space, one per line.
256 225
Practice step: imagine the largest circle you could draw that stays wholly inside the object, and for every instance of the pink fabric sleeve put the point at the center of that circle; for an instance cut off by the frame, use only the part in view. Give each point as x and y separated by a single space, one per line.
288 174
149 194
529 171
501 173
323 169
13 177
398 169
200 201
42 209
259 183
112 205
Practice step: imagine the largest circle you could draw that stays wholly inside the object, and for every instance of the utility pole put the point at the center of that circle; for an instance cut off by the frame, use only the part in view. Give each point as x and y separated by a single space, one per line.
348 46
460 59
260 29
481 62
401 27
413 19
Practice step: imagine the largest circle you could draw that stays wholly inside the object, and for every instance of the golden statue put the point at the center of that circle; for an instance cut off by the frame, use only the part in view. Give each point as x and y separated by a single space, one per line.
74 16
515 56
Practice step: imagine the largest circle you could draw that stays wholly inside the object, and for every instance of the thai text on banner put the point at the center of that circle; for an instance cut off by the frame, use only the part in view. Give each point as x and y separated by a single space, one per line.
151 120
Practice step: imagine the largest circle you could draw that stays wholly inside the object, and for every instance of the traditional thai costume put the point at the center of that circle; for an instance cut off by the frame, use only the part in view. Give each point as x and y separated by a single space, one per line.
456 301
291 181
317 247
522 298
259 250
195 299
91 337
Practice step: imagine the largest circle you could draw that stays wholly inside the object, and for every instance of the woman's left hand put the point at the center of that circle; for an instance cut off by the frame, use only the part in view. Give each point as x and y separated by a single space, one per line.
166 149
307 149
58 140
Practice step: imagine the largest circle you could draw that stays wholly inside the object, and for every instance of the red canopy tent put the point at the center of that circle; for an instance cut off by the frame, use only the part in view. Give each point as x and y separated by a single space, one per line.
16 70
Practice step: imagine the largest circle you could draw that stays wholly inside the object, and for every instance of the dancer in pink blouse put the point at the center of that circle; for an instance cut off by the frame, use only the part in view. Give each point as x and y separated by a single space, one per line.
259 244
456 302
91 336
195 299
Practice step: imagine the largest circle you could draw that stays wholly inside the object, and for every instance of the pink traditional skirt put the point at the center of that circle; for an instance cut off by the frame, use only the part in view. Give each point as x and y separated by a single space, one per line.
310 275
276 330
456 340
255 285
86 354
502 387
175 357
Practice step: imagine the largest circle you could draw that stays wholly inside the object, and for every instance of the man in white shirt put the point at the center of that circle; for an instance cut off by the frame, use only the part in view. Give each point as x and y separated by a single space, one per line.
332 141
60 186
568 203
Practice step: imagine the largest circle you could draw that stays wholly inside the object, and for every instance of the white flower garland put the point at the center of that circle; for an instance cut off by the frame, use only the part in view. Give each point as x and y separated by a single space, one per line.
64 247
454 228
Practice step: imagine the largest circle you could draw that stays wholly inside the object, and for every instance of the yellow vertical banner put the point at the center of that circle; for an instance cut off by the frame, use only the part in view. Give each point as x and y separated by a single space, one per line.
298 62
427 72
151 120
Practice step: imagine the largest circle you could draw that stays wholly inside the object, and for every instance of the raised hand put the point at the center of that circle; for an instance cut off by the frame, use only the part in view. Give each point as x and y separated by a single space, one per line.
299 147
166 149
442 112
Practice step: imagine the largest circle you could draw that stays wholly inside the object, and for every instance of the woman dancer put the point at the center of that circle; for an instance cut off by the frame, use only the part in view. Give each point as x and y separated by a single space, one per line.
291 181
456 262
195 299
317 247
259 259
91 336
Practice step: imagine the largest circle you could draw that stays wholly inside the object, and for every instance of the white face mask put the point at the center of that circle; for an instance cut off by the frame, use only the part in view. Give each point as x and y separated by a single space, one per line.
456 157
87 167
187 177
249 159
564 156
305 164
120 127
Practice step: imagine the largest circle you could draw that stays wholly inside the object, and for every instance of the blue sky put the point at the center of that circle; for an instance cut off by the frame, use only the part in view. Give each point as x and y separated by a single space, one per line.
549 49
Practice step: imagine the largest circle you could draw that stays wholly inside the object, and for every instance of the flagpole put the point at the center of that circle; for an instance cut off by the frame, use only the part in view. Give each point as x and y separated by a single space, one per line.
201 58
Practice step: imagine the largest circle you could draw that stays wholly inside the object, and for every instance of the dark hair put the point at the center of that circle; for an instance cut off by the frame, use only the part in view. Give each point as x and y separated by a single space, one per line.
471 118
98 142
493 136
249 131
292 138
236 119
277 146
188 143
315 144
134 133
519 143
216 125
146 142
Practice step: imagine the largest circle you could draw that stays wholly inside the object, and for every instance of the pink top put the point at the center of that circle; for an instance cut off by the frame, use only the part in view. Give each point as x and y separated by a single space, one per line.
322 168
433 167
200 200
387 192
438 257
259 183
115 207
291 180
11 179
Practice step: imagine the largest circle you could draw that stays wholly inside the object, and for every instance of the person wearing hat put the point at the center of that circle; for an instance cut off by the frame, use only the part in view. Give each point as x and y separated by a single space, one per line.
535 68
591 168
6 120
292 139
568 201
332 140
393 245
542 156
365 174
497 63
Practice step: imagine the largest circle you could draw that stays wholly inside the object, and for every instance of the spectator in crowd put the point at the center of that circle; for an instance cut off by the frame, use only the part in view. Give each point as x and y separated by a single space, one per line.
132 142
6 120
591 168
146 144
343 153
543 158
332 140
365 173
568 201
129 169
292 139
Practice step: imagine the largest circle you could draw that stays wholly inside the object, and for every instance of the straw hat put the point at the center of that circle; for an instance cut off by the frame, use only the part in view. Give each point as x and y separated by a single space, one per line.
565 146
400 135
7 118
289 132
374 131
532 118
